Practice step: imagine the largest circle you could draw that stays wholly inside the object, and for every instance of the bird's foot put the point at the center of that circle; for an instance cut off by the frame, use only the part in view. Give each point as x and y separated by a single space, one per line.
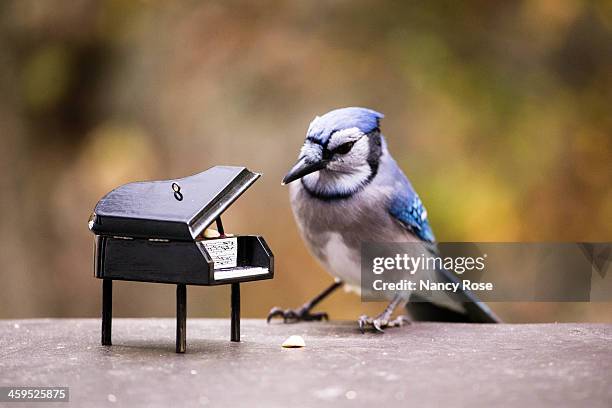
381 322
301 314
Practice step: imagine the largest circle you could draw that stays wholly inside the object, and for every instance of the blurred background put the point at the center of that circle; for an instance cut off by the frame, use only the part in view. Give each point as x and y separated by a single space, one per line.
499 112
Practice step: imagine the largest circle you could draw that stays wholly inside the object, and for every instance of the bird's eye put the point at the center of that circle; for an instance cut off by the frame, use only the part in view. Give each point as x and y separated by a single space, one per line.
344 148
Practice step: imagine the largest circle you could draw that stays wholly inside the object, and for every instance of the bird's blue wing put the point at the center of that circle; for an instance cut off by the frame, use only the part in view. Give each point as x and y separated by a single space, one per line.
409 210
406 207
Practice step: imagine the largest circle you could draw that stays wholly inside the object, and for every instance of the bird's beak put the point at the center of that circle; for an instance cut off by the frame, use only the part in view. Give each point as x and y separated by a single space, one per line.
302 168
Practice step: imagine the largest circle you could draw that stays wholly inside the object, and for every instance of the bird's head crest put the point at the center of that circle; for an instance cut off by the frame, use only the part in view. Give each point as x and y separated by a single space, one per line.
322 127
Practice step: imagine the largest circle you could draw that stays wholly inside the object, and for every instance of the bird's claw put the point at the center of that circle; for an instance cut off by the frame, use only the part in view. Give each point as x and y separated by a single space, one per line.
381 322
296 315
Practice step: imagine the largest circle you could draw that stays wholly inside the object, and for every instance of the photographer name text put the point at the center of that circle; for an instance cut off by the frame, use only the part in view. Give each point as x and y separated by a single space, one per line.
427 285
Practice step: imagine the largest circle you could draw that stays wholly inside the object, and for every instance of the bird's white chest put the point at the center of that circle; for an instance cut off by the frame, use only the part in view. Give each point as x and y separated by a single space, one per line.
335 231
341 260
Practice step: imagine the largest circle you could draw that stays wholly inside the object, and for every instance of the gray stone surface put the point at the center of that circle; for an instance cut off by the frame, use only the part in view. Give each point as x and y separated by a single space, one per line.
424 364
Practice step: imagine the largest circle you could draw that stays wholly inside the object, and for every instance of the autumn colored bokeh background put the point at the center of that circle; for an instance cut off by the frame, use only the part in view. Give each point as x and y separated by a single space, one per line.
499 112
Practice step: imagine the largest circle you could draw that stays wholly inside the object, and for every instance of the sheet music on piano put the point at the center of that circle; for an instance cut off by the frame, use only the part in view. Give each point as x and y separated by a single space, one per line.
223 251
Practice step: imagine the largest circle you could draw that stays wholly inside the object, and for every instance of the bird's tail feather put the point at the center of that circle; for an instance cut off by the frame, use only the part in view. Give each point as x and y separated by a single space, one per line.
472 309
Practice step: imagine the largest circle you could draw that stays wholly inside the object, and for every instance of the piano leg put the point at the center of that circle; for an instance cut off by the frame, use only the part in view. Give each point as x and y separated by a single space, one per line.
181 318
235 330
107 311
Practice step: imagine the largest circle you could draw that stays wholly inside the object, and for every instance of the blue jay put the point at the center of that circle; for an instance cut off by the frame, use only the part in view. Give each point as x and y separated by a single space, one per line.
346 189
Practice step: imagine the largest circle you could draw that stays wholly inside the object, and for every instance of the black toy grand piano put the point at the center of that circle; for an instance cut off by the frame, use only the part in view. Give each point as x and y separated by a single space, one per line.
156 231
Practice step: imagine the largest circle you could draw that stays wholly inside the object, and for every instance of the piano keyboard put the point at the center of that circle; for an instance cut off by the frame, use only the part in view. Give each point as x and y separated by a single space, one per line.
240 273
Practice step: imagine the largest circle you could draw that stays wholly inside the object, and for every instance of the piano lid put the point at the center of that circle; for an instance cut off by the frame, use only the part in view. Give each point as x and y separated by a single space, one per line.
177 209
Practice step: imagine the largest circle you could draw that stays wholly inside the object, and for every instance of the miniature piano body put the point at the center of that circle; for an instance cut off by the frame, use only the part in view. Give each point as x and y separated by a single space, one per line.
190 263
153 231
147 232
